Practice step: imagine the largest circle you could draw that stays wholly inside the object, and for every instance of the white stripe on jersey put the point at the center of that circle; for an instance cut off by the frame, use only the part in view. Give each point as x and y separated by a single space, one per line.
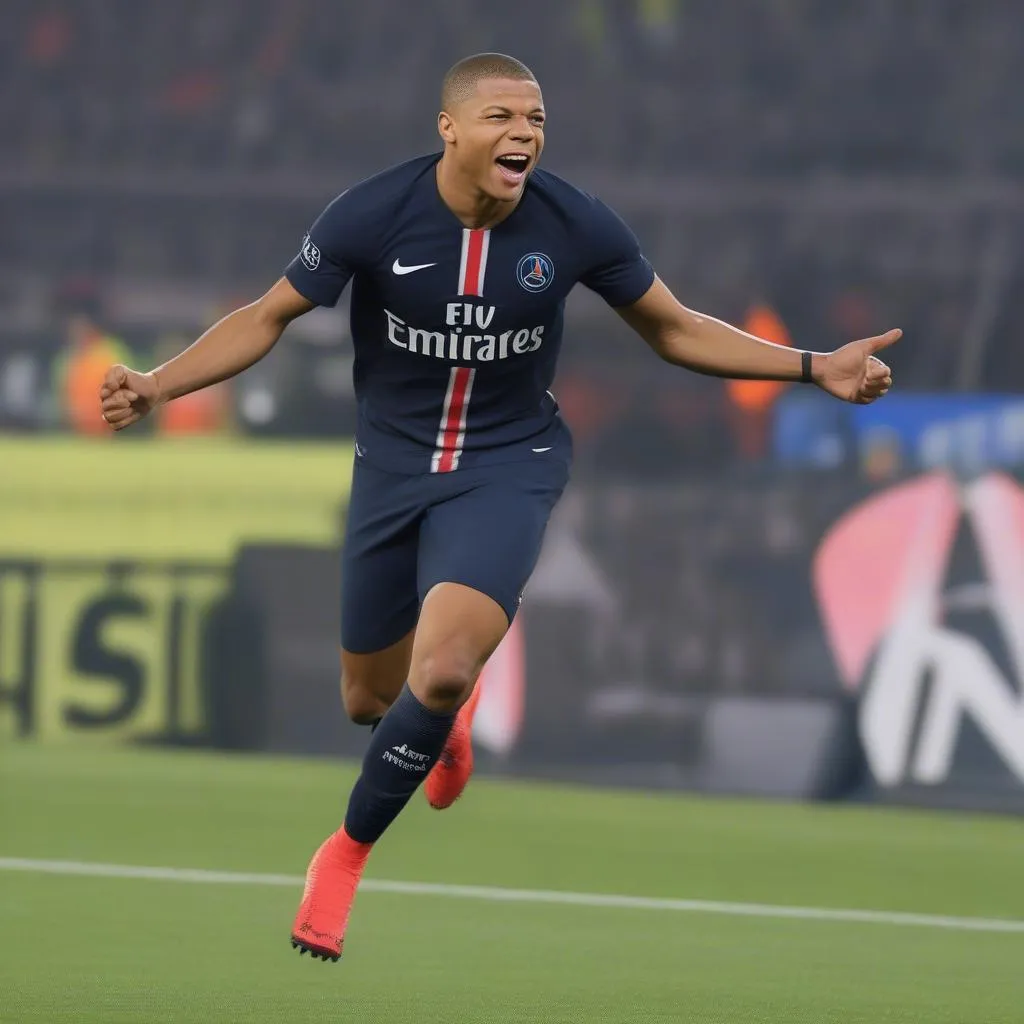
439 450
461 439
483 262
466 233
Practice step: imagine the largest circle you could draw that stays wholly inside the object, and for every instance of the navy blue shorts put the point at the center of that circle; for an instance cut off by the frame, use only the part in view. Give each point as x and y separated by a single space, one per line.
481 527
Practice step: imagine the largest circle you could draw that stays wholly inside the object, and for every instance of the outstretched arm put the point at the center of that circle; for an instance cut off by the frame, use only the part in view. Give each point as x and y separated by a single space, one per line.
230 346
686 338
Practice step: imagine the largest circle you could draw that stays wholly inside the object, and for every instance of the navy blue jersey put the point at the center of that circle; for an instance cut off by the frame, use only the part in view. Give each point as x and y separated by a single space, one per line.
457 331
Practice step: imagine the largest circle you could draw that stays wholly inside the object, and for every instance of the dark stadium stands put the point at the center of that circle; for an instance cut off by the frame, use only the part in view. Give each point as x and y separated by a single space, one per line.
835 163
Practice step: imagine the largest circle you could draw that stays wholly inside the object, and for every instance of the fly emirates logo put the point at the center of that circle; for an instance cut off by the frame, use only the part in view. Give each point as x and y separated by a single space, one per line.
466 339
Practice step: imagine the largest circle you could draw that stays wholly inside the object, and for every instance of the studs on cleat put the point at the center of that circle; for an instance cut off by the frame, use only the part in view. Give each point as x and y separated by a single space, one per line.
315 954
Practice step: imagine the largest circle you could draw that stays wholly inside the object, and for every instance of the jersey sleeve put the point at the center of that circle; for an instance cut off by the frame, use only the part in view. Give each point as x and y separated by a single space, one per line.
332 250
617 270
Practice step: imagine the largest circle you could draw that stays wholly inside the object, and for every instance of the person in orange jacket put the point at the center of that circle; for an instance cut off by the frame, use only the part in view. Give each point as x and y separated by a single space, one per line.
79 372
751 401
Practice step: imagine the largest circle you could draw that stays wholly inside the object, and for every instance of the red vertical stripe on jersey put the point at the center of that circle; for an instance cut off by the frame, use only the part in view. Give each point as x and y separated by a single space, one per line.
452 434
475 244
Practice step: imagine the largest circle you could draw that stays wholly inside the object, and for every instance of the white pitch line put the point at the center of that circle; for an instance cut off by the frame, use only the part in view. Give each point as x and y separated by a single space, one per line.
500 895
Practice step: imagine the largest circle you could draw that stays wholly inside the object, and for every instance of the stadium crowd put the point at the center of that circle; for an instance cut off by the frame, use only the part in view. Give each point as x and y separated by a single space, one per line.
833 166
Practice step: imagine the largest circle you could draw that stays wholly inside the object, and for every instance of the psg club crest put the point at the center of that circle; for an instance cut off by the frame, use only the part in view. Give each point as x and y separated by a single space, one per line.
535 271
310 253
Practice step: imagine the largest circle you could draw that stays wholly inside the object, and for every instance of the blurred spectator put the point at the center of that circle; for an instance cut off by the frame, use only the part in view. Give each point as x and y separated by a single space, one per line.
79 372
751 401
48 39
202 412
882 457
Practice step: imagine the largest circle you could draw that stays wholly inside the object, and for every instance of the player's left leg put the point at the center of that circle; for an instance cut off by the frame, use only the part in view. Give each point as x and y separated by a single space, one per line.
458 630
488 538
479 541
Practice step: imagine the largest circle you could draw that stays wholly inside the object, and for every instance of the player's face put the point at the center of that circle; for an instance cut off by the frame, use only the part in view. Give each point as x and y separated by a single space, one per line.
498 135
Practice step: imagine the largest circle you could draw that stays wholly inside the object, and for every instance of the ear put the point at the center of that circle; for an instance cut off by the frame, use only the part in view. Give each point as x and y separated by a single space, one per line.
446 126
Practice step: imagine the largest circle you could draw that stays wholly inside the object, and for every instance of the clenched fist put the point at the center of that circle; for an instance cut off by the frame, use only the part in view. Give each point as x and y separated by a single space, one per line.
127 395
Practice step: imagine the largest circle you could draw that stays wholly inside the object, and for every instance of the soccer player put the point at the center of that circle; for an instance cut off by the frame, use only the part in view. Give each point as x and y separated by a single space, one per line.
460 265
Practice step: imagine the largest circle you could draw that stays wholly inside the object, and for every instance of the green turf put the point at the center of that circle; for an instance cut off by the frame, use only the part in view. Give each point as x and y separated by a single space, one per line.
110 950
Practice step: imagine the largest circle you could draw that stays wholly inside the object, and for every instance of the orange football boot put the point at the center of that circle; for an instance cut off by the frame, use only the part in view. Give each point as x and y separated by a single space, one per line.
331 882
448 778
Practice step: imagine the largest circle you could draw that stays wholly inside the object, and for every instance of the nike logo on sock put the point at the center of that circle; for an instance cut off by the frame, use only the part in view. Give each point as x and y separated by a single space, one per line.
397 267
539 450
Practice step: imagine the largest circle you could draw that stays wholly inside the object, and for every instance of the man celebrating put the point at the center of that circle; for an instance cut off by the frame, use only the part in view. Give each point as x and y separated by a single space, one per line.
460 266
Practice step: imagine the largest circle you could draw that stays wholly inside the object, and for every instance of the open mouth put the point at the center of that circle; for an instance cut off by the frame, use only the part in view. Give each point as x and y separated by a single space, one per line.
513 166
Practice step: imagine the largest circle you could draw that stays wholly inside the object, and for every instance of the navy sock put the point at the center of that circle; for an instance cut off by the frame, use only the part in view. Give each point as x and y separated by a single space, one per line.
402 750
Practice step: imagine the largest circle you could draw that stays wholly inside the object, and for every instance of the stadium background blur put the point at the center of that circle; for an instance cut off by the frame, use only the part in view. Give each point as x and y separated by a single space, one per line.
816 171
848 165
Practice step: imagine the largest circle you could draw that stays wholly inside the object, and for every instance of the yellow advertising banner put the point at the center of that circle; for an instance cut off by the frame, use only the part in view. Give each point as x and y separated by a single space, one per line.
193 498
112 555
105 651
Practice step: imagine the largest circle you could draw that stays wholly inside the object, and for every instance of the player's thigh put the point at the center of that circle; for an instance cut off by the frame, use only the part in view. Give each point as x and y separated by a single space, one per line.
458 630
477 550
379 561
489 536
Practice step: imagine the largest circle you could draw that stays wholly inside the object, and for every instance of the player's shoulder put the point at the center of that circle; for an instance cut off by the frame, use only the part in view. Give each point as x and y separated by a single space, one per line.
393 183
374 201
555 189
582 208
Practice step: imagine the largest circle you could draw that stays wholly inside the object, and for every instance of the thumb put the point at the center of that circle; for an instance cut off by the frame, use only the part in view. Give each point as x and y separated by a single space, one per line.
883 340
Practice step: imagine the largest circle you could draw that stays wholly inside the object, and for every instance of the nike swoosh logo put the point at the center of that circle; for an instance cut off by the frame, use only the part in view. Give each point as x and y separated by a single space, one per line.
539 450
397 267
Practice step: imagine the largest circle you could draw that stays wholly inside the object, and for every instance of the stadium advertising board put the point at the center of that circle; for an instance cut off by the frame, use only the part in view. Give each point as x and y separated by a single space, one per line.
920 431
799 634
922 596
665 628
104 650
108 578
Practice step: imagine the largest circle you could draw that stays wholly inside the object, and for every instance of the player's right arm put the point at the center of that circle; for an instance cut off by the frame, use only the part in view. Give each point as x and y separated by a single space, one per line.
333 249
230 346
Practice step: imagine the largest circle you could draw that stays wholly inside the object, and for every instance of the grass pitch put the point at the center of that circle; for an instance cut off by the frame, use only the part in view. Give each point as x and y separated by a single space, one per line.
114 949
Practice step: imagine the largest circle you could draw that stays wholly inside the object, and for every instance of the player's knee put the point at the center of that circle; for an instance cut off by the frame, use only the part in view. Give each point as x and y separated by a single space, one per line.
361 705
444 681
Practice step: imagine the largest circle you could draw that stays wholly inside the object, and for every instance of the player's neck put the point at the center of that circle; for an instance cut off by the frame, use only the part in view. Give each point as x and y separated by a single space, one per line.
472 207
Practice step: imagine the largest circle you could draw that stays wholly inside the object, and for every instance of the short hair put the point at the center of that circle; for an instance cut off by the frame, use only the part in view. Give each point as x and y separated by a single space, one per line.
461 80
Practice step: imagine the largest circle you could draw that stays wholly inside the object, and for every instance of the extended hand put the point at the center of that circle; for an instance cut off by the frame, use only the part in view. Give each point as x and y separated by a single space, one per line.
854 372
127 395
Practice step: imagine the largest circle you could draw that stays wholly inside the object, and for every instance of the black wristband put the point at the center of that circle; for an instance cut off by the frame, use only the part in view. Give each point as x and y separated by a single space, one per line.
805 368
